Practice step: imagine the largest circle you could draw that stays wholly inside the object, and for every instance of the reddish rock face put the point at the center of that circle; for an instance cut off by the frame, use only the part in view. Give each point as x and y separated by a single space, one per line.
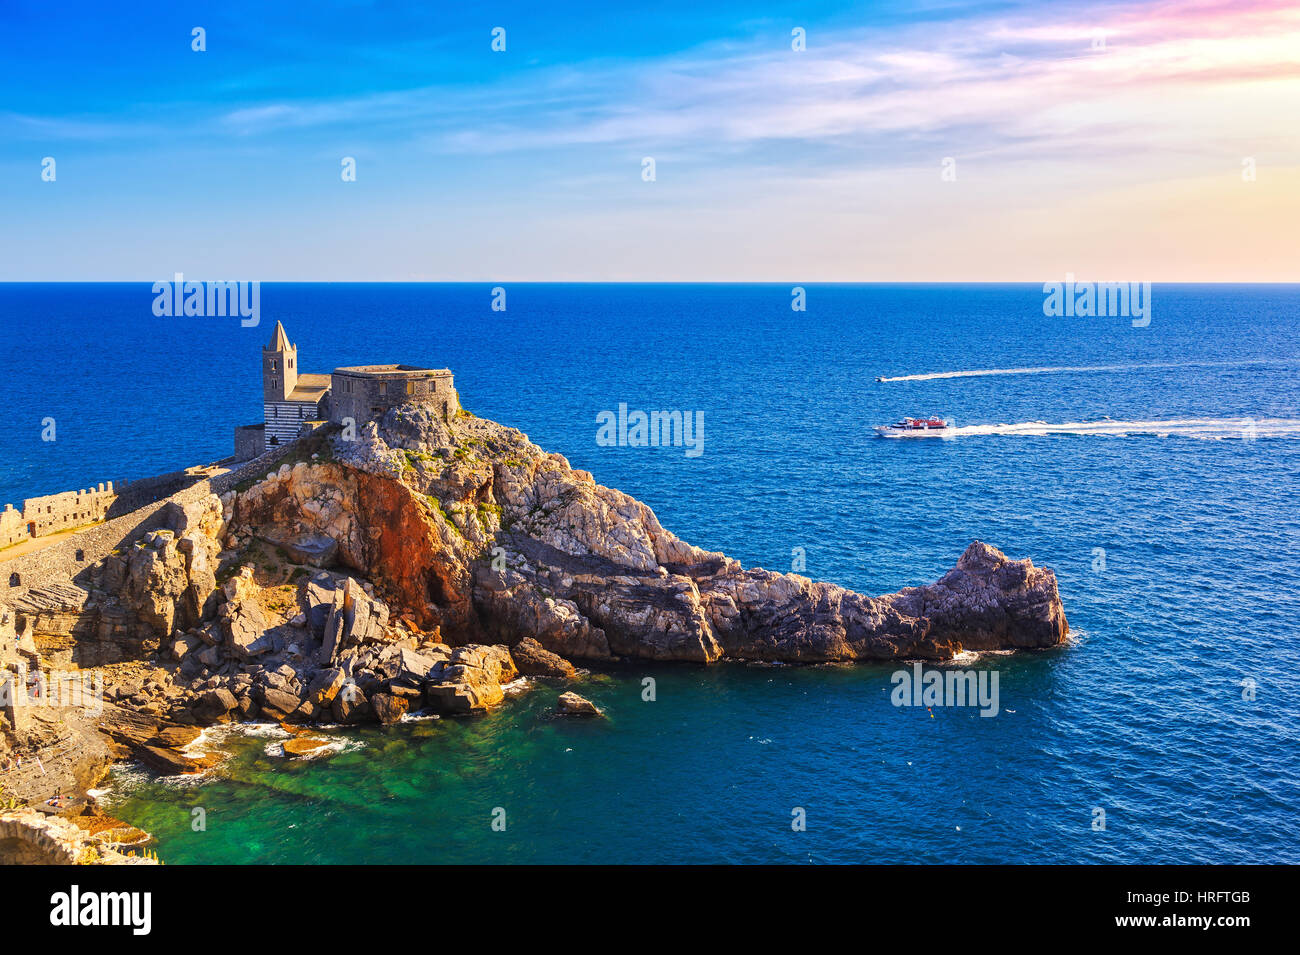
407 553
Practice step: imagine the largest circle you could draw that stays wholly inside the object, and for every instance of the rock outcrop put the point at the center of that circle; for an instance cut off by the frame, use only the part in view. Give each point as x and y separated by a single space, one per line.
541 552
431 562
571 704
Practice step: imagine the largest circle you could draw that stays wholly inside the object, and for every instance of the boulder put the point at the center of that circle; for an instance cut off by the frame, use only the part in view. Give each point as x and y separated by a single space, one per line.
317 550
388 708
210 657
571 704
182 645
532 659
168 762
278 704
316 598
215 706
355 617
243 623
463 698
324 686
350 705
177 737
410 668
495 661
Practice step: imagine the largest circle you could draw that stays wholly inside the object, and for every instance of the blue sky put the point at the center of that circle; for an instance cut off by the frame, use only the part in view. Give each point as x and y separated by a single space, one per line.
1104 139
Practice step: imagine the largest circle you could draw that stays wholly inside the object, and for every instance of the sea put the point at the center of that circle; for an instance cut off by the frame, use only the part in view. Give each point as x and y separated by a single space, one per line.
1153 467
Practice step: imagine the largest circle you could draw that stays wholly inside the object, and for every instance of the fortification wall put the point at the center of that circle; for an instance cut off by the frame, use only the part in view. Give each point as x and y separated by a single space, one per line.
12 526
55 512
136 494
71 556
363 397
52 513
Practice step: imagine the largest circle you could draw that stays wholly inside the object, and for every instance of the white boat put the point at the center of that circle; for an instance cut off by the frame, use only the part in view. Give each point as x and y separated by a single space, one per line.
932 427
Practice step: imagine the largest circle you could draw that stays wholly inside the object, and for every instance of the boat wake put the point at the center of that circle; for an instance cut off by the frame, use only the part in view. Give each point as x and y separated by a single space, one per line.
1212 429
1081 369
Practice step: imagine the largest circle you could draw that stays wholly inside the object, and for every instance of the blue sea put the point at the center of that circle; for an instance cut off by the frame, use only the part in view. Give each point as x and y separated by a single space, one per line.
1175 709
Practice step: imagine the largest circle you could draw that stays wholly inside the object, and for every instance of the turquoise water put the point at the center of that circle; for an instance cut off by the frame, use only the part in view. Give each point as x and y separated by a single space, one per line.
1142 715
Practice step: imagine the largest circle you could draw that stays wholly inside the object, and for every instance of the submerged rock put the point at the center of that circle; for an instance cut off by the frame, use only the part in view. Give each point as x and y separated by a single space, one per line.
303 745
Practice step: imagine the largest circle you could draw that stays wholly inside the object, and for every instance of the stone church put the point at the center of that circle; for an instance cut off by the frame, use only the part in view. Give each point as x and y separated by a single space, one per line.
295 403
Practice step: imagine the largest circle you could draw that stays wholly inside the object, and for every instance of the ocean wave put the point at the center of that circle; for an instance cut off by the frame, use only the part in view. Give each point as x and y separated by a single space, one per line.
1210 429
273 730
1083 369
331 747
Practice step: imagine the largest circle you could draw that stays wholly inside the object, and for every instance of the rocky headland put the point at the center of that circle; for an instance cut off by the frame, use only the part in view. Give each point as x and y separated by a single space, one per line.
429 564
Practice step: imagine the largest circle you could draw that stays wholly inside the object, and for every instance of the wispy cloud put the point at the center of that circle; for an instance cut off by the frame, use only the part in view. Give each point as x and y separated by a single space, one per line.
1018 80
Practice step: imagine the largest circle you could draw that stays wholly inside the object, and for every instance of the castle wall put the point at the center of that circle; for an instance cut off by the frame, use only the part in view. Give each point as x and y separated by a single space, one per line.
52 513
67 558
40 516
363 397
58 512
12 526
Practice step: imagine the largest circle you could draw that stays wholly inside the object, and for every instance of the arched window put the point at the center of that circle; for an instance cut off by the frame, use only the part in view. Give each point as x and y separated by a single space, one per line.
15 580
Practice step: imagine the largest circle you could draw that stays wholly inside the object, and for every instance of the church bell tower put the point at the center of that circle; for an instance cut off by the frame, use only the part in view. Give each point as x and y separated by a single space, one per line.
279 367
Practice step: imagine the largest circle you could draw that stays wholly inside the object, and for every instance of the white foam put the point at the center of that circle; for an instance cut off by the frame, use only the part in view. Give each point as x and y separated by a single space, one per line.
273 730
516 687
1212 429
332 746
1081 369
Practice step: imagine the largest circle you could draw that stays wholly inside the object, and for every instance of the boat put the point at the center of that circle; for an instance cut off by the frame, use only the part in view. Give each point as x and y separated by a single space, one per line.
932 427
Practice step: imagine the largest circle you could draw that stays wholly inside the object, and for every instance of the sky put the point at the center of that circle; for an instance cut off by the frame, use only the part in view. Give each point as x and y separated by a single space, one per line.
926 141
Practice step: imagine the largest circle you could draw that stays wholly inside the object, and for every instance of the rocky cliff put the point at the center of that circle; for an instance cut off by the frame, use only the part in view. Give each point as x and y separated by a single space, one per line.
471 528
431 561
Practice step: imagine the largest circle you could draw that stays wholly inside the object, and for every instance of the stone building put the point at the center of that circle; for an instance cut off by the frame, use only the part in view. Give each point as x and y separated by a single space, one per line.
294 401
288 397
367 391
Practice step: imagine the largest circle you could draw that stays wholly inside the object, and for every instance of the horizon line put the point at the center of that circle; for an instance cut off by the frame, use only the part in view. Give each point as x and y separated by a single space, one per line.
774 282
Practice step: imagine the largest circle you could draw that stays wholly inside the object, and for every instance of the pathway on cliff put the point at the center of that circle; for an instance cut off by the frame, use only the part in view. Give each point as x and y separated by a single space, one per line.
32 545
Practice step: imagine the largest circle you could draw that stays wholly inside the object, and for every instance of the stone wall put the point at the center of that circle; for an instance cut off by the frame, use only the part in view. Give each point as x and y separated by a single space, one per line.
250 441
74 555
29 838
364 395
55 512
52 513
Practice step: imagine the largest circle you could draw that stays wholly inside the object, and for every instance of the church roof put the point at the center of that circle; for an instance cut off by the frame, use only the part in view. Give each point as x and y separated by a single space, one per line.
279 340
390 371
310 388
